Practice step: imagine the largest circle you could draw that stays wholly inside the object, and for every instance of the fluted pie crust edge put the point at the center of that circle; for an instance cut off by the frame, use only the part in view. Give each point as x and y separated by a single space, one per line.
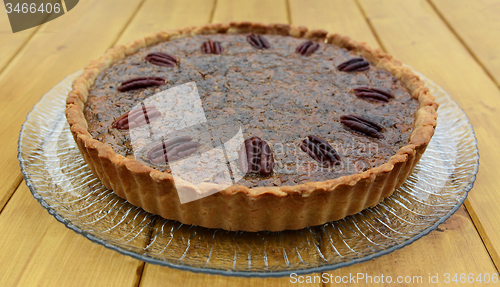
240 207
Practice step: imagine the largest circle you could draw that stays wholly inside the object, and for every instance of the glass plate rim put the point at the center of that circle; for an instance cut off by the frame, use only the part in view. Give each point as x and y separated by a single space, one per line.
270 274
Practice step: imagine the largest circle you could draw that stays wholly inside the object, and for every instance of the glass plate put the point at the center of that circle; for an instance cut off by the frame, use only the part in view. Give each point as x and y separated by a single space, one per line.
64 185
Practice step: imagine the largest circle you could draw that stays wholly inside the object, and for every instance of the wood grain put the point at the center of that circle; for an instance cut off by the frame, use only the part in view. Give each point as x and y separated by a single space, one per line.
478 26
263 11
39 251
162 276
414 33
58 49
335 16
165 15
454 247
11 42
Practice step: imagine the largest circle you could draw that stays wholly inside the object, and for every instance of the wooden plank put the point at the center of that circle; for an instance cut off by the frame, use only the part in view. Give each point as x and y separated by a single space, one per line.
60 47
350 25
38 251
263 11
453 248
478 26
162 276
336 16
173 14
11 42
413 32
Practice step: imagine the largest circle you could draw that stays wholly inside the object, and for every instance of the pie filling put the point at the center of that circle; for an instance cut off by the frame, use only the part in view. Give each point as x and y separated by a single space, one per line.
320 111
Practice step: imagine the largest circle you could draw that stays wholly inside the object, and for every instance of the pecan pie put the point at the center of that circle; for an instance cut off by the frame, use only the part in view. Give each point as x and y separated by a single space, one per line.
328 126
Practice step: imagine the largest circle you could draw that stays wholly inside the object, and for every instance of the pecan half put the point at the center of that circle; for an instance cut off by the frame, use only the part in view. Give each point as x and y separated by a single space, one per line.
168 151
211 47
372 94
353 65
255 156
137 117
363 126
161 59
258 41
141 83
307 48
320 151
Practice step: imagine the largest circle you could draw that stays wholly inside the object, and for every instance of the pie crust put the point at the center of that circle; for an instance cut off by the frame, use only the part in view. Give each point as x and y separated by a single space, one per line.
240 207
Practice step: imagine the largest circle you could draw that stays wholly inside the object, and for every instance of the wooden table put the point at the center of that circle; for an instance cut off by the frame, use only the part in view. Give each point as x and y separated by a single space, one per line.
454 42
